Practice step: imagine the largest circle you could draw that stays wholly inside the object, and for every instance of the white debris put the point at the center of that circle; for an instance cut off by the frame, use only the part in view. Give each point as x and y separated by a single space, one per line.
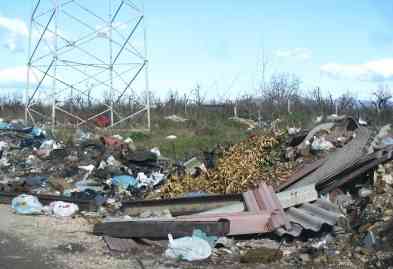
156 151
293 131
321 144
171 137
62 209
118 137
188 248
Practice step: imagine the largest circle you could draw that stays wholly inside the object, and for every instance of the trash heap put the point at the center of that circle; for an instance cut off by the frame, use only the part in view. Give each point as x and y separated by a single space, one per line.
244 165
308 198
90 167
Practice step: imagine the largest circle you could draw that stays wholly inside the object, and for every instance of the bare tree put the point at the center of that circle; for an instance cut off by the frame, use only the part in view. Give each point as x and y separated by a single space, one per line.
198 98
382 96
282 87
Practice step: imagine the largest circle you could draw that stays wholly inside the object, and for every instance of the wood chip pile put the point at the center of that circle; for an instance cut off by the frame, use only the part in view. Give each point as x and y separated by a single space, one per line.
255 160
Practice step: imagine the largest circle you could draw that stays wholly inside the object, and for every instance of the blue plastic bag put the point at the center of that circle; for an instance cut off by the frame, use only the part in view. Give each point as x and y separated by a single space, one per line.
124 181
4 125
37 132
27 205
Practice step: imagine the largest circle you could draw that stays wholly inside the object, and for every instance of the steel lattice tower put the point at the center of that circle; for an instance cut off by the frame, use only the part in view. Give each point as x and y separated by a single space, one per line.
87 54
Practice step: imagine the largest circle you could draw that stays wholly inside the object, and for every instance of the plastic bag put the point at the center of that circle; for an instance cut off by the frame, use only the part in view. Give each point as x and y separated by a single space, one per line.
124 181
188 248
26 205
153 180
210 239
63 209
321 144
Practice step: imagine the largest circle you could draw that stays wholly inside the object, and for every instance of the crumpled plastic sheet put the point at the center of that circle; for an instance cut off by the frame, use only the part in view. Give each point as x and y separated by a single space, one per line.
188 248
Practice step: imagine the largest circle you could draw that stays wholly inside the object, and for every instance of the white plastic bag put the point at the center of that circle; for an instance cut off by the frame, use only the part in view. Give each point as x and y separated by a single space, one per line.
188 248
63 209
321 144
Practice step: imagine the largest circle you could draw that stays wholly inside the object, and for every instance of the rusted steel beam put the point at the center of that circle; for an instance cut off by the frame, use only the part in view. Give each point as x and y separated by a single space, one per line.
240 223
160 228
181 206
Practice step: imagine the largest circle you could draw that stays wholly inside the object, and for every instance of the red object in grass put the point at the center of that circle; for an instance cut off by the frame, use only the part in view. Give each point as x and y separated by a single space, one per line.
103 121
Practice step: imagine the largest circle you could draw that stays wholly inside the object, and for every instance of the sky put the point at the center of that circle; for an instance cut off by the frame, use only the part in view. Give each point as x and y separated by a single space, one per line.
337 45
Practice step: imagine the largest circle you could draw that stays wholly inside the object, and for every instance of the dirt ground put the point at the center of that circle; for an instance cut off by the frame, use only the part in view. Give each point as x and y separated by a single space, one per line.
43 242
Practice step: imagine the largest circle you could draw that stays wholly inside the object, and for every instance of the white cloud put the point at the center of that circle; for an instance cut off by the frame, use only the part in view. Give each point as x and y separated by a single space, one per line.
15 26
299 53
16 33
379 70
15 77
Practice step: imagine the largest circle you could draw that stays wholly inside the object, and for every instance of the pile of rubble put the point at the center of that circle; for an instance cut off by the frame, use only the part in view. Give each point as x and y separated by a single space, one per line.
299 198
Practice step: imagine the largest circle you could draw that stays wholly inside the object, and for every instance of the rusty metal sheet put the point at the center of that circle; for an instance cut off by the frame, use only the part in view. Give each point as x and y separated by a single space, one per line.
268 201
264 214
263 199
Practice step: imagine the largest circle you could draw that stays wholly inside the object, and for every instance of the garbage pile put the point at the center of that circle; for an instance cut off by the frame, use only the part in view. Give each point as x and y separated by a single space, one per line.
295 198
90 167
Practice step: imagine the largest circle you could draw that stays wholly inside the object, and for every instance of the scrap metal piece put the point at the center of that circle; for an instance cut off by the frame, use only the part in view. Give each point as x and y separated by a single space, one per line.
240 223
338 160
301 173
181 206
363 166
264 199
160 228
298 196
264 215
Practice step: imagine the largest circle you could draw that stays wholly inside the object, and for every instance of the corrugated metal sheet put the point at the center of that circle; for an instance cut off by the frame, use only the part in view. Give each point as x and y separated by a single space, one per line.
310 216
264 214
338 160
265 199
